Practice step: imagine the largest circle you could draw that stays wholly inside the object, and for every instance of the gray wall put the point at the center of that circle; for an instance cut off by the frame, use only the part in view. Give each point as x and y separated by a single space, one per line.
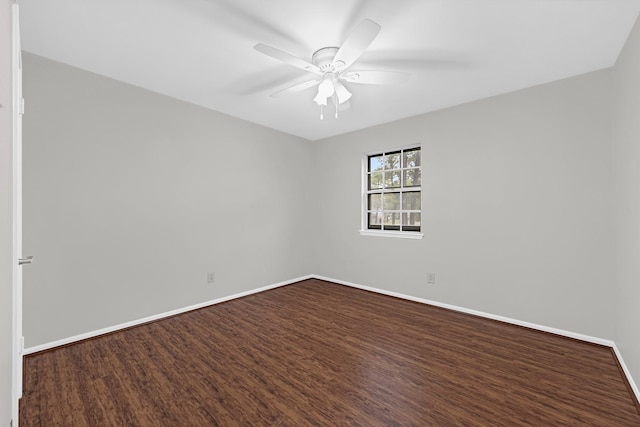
516 207
626 156
6 213
131 197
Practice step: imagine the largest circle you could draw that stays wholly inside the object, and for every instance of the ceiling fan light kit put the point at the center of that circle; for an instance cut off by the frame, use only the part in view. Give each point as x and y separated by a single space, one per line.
331 65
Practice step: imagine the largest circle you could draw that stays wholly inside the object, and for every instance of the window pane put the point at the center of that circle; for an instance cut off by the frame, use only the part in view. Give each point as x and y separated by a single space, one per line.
391 218
410 219
375 220
375 180
392 161
392 201
392 221
392 179
411 201
411 158
375 163
375 202
412 178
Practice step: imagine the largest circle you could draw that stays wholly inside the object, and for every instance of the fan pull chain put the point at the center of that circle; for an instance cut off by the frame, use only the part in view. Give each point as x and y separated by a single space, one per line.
321 115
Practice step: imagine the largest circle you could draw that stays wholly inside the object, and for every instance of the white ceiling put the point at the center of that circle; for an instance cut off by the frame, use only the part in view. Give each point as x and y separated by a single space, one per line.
201 51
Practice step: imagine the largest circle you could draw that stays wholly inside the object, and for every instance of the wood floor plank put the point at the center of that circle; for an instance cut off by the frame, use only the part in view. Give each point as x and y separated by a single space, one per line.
322 354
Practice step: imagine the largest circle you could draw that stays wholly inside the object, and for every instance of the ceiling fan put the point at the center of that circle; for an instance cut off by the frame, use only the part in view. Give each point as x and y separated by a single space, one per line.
331 66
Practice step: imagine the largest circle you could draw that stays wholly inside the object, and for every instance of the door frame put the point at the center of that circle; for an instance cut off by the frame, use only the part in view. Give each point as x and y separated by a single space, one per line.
18 109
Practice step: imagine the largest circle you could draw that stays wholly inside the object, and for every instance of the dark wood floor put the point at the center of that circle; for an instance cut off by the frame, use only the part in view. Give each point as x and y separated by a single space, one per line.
321 354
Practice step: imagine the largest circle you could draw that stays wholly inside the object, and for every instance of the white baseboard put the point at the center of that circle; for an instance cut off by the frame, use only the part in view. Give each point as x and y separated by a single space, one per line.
93 334
569 334
626 371
561 332
587 338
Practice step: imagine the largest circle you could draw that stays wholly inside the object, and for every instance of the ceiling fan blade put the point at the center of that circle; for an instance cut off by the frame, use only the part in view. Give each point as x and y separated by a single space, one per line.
356 43
297 88
287 58
412 59
375 77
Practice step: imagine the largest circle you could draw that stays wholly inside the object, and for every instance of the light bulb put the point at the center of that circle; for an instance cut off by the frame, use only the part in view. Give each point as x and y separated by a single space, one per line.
320 99
326 88
343 93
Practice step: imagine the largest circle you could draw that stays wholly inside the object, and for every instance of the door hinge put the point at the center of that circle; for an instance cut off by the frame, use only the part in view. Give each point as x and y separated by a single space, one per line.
21 107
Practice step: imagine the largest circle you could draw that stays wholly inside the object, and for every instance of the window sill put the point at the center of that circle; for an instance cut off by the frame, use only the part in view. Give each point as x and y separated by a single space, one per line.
396 234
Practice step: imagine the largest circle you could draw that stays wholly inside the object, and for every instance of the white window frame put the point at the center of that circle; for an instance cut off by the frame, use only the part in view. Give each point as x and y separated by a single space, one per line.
364 230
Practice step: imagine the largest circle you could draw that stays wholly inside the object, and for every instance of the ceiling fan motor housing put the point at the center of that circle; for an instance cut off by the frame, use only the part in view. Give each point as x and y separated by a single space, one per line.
323 59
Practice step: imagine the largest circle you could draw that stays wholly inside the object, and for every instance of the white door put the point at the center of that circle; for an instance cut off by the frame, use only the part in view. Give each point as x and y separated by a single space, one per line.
20 260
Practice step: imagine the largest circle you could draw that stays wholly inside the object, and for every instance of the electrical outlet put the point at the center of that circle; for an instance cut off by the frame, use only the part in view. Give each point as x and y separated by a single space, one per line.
211 277
431 278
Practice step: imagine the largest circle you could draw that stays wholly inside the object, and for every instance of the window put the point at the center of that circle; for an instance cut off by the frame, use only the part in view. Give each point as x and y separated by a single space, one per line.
392 197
